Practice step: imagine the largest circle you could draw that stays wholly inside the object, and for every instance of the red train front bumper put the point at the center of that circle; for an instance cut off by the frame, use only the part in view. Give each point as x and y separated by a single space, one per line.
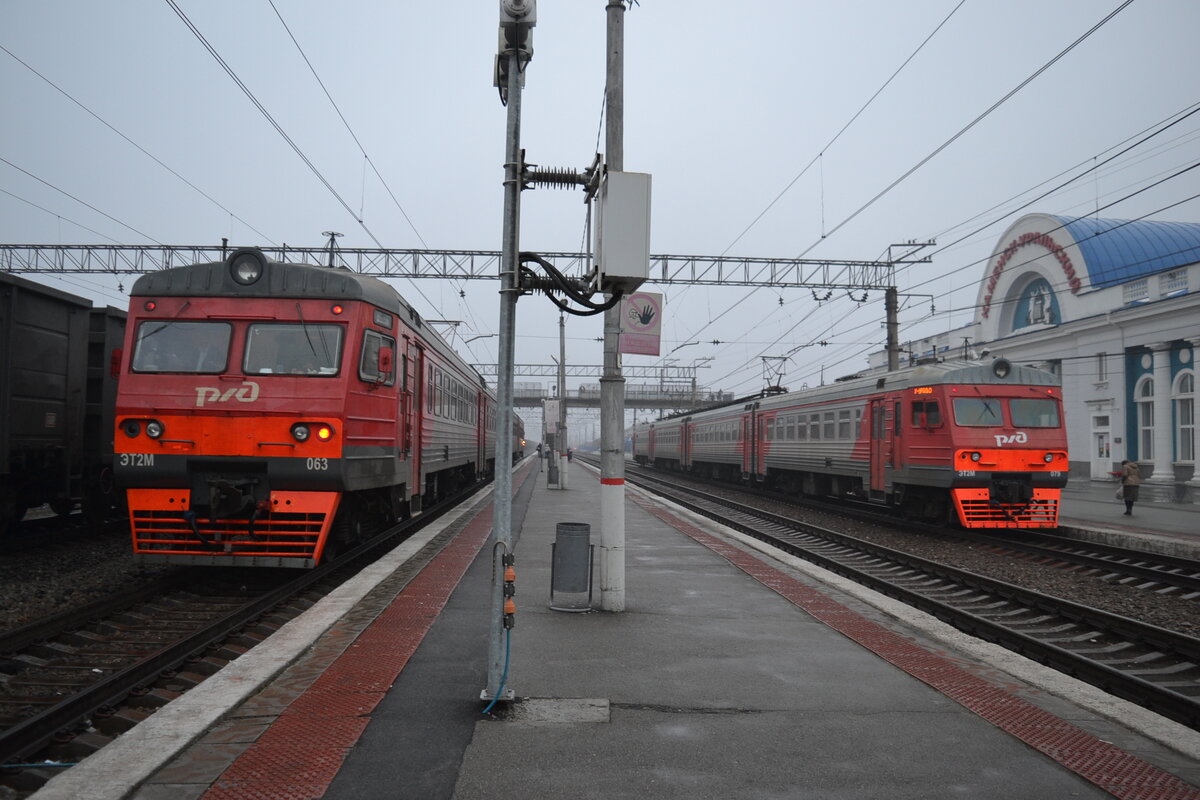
293 534
976 509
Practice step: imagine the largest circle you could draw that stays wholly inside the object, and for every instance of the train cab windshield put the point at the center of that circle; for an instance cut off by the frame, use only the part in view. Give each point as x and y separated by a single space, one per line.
987 412
293 349
1034 412
181 346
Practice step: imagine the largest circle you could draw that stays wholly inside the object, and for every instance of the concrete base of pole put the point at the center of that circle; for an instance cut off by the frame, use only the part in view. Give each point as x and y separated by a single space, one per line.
507 696
612 547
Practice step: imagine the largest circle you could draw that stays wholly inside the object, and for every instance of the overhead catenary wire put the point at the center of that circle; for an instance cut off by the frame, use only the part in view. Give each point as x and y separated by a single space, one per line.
267 115
279 129
81 202
1145 133
141 149
1194 110
999 303
1011 93
58 216
367 160
1105 207
818 157
1154 130
829 332
1161 127
346 123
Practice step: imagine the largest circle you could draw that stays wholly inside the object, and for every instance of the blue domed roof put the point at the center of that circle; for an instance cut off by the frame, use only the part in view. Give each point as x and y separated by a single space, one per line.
1117 251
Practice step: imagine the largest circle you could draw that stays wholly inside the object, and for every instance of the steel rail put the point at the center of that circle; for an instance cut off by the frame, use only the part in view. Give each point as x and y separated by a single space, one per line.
1117 560
34 733
1152 568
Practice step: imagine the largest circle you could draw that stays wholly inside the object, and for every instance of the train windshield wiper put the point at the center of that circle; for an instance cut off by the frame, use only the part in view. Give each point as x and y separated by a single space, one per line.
166 324
328 359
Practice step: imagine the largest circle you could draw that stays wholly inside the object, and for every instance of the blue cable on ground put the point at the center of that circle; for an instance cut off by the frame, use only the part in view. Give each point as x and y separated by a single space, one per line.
504 672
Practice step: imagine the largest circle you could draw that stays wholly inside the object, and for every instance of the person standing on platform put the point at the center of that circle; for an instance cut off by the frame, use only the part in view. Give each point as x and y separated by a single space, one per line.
1131 478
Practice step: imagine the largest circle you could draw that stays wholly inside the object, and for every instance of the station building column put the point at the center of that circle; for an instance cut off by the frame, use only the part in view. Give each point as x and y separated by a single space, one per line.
1163 446
1195 479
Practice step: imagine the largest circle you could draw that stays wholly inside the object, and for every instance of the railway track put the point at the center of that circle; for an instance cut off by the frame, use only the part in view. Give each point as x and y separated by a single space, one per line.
42 532
71 682
1145 664
1151 572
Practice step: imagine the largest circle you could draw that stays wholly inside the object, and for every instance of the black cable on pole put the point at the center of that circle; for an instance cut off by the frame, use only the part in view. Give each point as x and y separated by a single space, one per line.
564 285
559 279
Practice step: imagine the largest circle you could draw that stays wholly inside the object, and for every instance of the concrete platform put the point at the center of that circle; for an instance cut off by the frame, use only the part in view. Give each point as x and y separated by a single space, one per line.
731 674
1158 524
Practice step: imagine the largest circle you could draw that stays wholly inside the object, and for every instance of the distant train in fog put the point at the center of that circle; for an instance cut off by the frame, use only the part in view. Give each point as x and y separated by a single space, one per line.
271 413
980 444
58 379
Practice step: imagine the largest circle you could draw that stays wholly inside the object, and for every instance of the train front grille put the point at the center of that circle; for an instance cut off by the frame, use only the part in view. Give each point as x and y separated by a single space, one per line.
162 532
977 509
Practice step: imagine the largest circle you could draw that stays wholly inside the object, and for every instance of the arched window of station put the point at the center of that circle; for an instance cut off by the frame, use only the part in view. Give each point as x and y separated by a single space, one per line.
1183 400
1143 398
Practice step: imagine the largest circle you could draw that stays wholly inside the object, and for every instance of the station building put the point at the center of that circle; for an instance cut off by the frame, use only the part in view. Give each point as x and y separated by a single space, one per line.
1113 307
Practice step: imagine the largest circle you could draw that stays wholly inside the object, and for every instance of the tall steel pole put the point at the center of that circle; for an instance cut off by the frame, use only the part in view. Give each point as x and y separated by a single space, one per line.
501 539
612 383
563 481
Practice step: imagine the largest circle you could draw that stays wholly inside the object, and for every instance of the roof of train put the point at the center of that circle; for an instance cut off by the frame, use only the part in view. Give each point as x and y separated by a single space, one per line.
299 281
280 279
944 372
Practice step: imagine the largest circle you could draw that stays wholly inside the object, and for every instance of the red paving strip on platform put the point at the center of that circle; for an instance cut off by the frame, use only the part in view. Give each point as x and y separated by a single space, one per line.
299 755
1105 765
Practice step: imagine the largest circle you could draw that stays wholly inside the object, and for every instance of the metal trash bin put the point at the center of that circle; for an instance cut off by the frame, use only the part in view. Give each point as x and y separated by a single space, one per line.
571 567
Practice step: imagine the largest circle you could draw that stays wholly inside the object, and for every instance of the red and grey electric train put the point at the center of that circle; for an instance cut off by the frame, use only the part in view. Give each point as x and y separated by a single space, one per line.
270 413
980 444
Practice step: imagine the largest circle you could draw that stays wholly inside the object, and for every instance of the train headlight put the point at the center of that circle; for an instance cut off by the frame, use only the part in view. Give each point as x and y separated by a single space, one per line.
303 431
246 265
1048 457
154 429
1001 367
976 455
132 428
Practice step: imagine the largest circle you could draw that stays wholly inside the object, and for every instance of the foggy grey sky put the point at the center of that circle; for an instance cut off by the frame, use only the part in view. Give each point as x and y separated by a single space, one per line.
726 104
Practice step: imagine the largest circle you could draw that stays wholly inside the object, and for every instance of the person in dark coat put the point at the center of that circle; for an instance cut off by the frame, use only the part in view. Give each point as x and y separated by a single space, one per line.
1131 478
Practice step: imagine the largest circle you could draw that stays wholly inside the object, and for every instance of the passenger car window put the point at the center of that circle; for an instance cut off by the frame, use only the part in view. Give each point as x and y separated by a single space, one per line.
181 346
